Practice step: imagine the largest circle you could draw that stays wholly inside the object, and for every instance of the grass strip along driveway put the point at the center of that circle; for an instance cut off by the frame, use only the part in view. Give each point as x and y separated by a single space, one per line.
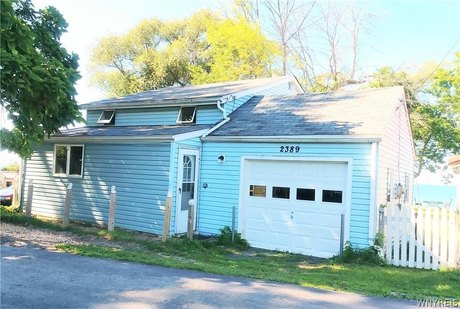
209 255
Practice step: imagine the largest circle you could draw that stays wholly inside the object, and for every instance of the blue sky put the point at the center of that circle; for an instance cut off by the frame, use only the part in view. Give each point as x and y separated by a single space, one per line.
405 33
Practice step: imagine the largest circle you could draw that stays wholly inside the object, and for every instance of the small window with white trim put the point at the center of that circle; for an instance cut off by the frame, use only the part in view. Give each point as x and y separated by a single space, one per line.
281 192
332 196
68 160
187 114
107 118
305 194
257 190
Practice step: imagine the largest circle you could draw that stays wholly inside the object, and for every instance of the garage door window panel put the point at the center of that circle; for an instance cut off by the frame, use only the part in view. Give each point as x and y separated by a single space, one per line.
257 190
332 196
281 192
305 194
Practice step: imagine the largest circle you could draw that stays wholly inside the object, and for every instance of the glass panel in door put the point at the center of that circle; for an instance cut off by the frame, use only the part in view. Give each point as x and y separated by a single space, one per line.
188 180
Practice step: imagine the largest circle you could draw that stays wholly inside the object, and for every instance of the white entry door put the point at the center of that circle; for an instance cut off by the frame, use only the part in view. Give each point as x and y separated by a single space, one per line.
294 206
187 175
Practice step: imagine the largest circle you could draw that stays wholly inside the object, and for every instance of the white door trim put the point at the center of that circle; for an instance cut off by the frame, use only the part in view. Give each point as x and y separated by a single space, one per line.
242 212
186 151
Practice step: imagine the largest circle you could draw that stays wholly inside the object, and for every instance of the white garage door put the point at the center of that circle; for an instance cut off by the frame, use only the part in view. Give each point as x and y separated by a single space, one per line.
294 206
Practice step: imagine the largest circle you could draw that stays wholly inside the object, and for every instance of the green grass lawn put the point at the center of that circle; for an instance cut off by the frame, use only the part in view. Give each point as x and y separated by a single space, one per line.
206 255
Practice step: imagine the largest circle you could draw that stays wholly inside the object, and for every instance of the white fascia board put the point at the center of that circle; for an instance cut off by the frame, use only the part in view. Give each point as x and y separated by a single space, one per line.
254 90
110 139
298 85
296 138
189 135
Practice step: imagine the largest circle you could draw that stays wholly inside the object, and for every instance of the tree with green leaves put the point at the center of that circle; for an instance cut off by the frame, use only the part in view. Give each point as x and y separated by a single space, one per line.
203 48
236 50
12 167
434 111
37 75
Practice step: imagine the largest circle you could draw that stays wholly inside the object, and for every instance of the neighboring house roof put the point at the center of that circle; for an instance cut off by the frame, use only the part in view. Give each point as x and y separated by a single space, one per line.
129 132
189 95
9 174
454 163
363 113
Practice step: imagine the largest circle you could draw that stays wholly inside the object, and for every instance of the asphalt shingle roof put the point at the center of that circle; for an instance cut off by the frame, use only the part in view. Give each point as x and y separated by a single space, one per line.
127 131
188 93
360 112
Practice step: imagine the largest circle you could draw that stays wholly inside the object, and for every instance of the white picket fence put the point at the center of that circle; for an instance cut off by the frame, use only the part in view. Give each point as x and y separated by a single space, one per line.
422 237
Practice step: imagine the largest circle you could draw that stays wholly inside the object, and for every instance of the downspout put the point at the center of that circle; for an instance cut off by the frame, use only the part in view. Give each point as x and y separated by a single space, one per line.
224 114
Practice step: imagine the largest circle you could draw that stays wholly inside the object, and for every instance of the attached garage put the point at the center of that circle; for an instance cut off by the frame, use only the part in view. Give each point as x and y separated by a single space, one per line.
294 205
306 173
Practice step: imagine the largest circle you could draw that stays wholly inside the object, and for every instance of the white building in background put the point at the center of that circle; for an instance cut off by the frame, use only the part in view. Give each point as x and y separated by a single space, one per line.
454 164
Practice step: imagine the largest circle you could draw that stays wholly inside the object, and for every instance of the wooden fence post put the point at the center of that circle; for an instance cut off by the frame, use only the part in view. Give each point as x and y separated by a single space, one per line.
30 193
233 223
16 195
167 217
191 216
112 207
381 219
68 200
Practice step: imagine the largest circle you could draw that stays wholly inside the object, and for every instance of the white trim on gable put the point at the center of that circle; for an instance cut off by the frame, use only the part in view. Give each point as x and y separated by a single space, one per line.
189 135
285 80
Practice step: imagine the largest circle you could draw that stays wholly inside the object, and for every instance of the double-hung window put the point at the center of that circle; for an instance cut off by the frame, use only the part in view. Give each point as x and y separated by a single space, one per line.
68 160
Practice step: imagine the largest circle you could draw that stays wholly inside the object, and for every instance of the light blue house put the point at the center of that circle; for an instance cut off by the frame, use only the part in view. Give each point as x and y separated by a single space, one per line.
304 172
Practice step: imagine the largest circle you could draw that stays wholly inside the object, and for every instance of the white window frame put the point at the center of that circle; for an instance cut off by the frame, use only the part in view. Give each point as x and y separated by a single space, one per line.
105 121
68 160
179 116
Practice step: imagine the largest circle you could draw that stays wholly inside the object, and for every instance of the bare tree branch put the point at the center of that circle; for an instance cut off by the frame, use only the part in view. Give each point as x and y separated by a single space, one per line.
283 15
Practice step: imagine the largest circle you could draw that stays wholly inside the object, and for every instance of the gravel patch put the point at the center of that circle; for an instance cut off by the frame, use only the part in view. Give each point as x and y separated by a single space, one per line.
31 236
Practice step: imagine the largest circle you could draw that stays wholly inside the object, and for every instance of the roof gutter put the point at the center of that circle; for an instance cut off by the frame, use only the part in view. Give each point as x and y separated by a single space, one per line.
296 138
109 139
223 100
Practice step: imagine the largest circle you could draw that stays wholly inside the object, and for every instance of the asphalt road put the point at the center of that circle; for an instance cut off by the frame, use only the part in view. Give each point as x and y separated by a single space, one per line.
35 278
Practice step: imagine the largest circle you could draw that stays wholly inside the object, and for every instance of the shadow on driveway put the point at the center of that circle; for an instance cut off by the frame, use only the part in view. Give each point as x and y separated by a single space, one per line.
35 278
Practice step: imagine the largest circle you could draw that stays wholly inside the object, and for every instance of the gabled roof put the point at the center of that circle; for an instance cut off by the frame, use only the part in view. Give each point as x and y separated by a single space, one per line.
359 113
189 95
110 133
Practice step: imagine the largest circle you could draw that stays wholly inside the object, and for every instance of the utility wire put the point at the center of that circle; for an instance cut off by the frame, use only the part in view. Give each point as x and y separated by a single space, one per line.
437 67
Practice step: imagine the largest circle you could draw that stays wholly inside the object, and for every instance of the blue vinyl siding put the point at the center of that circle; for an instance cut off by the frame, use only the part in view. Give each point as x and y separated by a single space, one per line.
223 179
156 116
208 114
139 172
193 143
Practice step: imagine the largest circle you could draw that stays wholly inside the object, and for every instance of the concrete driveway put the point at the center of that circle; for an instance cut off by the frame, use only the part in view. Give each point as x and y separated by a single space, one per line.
34 278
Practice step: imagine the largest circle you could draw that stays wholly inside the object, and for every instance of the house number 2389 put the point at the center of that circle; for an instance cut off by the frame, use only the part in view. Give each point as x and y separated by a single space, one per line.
291 149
